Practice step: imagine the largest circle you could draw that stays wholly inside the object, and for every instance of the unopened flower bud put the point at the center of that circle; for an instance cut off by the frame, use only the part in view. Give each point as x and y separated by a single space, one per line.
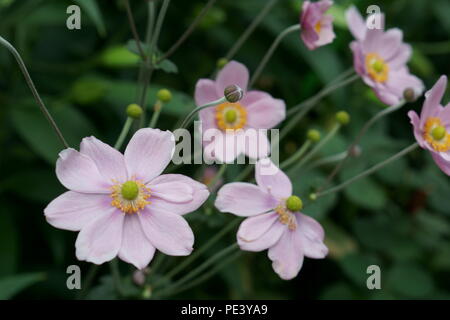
139 277
343 117
222 62
233 93
312 196
164 95
409 95
313 135
134 111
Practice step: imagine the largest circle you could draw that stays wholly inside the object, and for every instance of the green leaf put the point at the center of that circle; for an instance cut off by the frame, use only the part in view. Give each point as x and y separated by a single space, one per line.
410 280
167 66
12 285
32 126
94 13
119 57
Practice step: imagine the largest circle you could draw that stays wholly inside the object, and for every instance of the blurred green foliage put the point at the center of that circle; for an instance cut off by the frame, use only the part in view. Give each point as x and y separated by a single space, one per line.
398 218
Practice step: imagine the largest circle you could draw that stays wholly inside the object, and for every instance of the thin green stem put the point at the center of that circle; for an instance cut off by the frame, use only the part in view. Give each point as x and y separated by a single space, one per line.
317 147
357 140
33 89
188 31
297 155
156 113
187 121
197 253
134 31
114 266
369 171
123 133
328 160
199 269
271 50
159 23
249 30
218 175
208 274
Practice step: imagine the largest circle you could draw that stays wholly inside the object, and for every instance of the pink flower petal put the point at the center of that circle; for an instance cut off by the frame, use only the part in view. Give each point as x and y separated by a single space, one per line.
78 172
205 92
415 121
72 210
253 96
255 143
188 197
391 43
355 23
226 146
443 164
311 235
244 199
148 153
208 118
433 99
266 113
167 231
233 73
287 256
402 56
272 180
260 232
109 161
100 241
136 248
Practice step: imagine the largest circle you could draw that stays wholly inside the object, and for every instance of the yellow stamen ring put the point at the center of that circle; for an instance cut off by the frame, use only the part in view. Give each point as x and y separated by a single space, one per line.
286 217
231 116
436 135
377 68
130 197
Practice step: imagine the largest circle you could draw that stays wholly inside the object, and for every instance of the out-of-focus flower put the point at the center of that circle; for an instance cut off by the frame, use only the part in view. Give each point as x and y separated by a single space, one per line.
357 25
231 122
316 26
121 204
275 221
380 59
431 129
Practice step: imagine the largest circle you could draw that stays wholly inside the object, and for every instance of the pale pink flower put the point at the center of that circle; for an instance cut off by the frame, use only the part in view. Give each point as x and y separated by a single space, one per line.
356 24
432 128
380 59
236 128
274 222
121 204
316 26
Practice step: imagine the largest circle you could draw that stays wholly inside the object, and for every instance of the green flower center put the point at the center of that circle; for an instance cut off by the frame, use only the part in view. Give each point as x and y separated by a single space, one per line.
438 133
130 190
378 66
230 116
294 203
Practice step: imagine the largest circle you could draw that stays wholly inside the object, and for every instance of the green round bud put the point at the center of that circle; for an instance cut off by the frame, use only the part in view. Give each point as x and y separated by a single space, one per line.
438 133
343 117
233 93
130 190
222 62
294 204
134 111
164 95
409 95
313 197
313 135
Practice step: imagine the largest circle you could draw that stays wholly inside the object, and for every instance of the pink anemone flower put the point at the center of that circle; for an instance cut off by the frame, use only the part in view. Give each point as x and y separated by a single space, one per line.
316 26
432 128
237 128
274 220
121 204
380 59
356 24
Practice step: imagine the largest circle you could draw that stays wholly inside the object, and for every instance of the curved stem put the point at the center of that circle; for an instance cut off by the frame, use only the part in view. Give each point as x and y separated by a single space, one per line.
123 133
202 249
296 156
33 89
199 269
249 30
328 160
134 31
187 121
318 146
369 171
188 31
271 50
357 140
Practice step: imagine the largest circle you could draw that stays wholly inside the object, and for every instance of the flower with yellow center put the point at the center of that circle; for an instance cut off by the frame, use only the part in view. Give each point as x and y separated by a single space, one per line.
376 67
130 197
230 116
318 27
436 135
